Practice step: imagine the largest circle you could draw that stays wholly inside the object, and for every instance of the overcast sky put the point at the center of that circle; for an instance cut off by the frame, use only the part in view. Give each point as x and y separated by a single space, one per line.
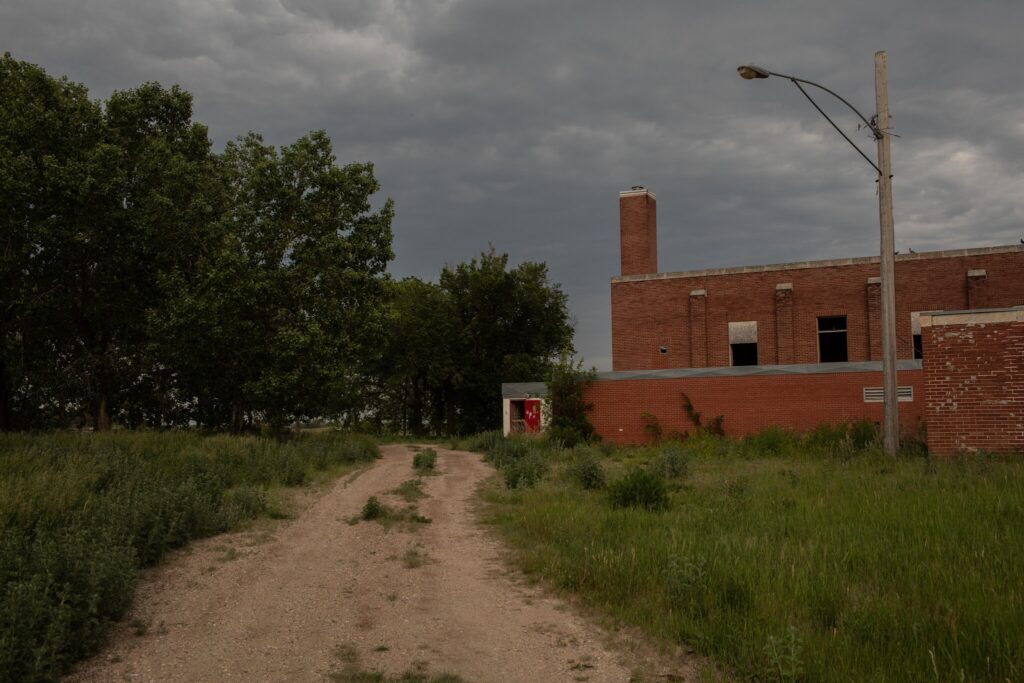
516 123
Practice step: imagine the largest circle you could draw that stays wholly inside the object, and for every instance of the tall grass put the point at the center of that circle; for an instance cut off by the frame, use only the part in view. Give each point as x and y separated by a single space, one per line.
80 513
796 558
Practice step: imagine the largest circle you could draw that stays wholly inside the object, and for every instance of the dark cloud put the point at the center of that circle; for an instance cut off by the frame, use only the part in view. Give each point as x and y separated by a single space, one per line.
516 123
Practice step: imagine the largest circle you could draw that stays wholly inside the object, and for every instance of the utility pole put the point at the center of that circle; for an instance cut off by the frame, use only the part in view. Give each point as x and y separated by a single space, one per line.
887 261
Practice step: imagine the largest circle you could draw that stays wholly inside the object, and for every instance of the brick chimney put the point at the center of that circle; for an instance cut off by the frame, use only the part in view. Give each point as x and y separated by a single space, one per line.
638 231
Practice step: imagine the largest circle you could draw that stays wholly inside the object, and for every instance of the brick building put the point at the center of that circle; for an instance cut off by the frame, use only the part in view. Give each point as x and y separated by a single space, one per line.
791 344
809 312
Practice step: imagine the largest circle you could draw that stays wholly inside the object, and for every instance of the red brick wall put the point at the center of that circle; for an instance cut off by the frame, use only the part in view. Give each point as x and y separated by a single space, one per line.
638 234
748 403
974 382
649 314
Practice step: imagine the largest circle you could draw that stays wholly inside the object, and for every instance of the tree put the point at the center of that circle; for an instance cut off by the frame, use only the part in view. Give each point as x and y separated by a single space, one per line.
285 313
417 361
511 326
566 383
49 130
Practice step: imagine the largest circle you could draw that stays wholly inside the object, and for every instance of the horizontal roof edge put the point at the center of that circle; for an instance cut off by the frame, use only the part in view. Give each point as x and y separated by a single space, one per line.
828 263
531 389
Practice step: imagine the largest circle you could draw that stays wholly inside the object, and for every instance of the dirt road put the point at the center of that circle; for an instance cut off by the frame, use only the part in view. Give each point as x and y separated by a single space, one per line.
318 596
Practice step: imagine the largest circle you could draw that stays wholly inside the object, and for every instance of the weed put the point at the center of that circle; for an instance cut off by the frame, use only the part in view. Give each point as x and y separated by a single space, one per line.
140 627
783 657
640 488
587 471
414 558
526 471
374 509
652 426
672 461
410 491
425 461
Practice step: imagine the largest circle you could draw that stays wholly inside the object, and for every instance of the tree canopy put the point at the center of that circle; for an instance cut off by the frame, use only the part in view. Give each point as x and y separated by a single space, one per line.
149 280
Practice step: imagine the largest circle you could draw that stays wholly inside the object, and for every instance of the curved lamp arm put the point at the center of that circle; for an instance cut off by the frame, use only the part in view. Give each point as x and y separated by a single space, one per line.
750 72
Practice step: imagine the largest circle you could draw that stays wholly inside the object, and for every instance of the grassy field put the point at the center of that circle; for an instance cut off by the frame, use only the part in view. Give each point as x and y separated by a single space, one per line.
814 559
81 513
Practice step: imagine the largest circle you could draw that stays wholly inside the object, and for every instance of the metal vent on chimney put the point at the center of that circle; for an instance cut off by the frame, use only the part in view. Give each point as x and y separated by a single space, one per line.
638 187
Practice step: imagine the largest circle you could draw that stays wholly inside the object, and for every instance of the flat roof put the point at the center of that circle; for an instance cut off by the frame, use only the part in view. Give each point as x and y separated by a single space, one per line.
533 389
828 263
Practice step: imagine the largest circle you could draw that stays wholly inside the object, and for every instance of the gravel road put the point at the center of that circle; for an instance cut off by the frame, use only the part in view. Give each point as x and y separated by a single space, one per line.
318 596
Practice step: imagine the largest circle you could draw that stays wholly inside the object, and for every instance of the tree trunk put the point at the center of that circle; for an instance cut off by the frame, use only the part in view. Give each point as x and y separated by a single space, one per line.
449 408
6 419
237 414
101 414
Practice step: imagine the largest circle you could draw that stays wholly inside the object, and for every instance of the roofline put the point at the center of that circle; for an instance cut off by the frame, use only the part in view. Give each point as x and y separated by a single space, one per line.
516 390
828 263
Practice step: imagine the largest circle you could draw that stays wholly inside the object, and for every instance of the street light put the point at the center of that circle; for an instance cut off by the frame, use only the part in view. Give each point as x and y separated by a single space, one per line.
879 127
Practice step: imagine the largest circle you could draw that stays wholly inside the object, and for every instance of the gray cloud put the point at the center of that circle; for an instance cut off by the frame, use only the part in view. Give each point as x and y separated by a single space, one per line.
516 123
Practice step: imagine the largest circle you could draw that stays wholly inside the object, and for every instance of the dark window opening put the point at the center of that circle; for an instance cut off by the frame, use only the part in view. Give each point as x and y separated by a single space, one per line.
918 347
832 339
744 354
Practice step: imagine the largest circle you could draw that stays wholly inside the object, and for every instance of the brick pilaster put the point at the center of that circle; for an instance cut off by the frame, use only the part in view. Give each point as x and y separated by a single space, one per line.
698 329
874 328
784 323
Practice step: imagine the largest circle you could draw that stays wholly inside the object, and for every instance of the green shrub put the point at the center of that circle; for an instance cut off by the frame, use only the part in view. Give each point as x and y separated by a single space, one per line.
525 471
373 509
672 461
425 460
770 441
484 442
509 450
640 488
587 471
864 433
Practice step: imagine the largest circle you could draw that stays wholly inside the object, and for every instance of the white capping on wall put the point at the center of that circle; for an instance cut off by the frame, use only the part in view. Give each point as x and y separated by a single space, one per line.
979 317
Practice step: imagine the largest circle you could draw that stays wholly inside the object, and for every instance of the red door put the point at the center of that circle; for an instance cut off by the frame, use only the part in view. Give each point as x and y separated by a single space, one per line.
532 415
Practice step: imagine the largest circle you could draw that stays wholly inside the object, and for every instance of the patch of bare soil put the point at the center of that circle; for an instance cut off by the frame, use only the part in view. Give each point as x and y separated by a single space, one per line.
320 598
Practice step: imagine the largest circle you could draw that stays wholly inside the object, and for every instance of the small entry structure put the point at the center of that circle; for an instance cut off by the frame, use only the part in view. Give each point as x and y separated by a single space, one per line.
523 408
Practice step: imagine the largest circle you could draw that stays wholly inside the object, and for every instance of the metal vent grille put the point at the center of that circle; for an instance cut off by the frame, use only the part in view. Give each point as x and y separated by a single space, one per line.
877 394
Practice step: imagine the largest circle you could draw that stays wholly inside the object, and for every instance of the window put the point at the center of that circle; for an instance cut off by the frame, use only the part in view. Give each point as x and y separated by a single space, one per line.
832 339
743 342
915 330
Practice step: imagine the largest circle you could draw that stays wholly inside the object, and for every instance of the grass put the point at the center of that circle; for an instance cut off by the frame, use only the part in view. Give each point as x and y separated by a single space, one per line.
815 558
81 513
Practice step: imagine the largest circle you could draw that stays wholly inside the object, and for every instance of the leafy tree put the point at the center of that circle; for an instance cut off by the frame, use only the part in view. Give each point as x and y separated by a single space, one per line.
566 383
284 315
512 325
142 212
49 131
418 360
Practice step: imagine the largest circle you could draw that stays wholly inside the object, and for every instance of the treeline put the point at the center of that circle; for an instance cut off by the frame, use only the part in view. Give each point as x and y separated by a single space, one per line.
147 280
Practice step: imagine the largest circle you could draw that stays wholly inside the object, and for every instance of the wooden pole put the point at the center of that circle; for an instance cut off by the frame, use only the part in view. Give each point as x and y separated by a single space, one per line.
888 256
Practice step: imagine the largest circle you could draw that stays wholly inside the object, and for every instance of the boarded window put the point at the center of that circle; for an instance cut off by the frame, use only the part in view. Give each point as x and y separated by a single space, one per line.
743 342
832 339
